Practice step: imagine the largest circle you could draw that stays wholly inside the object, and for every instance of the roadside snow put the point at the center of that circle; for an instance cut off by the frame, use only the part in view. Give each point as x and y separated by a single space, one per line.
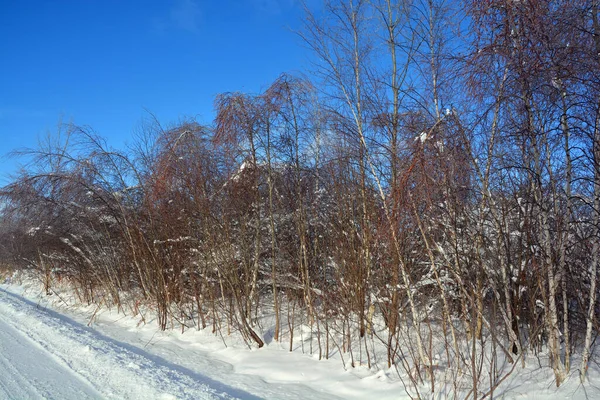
48 355
47 350
117 357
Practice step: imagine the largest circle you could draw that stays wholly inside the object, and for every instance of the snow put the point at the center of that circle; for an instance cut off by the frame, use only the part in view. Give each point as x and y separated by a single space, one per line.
52 348
48 355
422 137
28 371
118 357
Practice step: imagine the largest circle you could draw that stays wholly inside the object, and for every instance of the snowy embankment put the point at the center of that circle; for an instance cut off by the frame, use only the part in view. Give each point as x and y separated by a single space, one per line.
52 348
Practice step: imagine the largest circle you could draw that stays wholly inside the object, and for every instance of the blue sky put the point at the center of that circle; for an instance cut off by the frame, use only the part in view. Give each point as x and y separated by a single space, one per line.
103 62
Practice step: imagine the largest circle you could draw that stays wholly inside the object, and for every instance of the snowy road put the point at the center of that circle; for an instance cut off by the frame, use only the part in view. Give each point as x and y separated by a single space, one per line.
29 372
45 355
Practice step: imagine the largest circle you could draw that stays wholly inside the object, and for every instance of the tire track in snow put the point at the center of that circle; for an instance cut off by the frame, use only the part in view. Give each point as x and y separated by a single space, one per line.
113 369
29 372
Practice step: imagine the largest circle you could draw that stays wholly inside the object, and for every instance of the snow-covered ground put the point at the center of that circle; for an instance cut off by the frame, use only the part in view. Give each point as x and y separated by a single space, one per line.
27 370
48 355
49 350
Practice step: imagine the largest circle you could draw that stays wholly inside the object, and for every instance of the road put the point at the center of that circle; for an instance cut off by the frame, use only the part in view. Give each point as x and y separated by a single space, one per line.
29 372
46 355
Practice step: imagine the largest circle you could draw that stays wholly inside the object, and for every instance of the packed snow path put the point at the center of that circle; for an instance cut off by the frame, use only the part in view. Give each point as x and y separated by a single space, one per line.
28 371
45 355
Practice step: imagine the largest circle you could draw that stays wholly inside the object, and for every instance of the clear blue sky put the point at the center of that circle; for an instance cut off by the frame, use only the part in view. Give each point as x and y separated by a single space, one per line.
102 62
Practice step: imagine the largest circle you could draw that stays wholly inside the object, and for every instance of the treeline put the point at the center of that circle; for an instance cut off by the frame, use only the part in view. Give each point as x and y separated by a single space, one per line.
441 175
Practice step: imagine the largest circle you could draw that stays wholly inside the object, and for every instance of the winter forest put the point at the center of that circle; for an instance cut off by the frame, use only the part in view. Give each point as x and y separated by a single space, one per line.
431 187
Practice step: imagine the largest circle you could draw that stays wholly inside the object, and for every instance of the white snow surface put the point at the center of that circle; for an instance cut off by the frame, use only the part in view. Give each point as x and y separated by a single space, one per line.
29 371
48 351
44 354
51 350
